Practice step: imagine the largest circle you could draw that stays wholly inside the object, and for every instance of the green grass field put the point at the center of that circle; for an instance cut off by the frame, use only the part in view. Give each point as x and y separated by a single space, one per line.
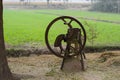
28 26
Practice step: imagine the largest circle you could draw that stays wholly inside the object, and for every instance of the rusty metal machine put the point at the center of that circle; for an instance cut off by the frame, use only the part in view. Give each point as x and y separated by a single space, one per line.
65 37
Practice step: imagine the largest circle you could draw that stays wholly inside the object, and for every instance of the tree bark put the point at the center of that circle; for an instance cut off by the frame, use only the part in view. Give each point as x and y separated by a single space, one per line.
5 73
48 1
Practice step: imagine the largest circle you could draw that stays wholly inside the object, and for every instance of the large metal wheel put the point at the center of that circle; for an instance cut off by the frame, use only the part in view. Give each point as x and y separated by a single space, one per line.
60 25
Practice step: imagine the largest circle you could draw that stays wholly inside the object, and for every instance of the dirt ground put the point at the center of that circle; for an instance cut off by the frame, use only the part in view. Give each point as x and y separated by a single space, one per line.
47 67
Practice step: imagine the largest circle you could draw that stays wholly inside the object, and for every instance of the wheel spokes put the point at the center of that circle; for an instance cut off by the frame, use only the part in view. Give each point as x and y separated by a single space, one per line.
67 23
60 51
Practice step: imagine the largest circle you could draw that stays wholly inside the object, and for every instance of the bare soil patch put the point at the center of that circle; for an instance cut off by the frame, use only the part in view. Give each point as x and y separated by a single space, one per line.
47 67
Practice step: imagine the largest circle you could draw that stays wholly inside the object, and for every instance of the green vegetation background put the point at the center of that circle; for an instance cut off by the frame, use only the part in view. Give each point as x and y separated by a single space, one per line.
28 26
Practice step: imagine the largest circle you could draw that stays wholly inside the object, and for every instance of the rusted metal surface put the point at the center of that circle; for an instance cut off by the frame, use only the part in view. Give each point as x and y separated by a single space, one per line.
75 39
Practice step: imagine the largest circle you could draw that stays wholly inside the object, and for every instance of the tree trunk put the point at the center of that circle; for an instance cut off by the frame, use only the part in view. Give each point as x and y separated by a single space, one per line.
48 1
5 73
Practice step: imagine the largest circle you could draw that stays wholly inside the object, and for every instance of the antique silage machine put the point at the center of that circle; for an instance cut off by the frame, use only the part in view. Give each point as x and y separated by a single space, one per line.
65 37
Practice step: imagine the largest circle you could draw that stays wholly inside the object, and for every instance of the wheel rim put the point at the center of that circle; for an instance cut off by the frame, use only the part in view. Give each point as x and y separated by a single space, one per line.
63 18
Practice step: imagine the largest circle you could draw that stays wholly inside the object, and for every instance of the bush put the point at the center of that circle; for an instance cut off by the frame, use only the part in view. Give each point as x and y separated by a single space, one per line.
92 32
112 6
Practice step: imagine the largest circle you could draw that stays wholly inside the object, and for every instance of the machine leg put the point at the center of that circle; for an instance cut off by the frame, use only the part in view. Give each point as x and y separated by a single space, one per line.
82 62
65 56
84 54
62 64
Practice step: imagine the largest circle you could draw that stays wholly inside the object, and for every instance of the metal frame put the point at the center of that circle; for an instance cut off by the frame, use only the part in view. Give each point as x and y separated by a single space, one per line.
68 46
